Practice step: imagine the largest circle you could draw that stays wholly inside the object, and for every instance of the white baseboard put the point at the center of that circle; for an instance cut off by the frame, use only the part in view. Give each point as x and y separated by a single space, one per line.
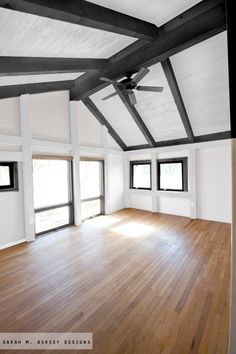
12 243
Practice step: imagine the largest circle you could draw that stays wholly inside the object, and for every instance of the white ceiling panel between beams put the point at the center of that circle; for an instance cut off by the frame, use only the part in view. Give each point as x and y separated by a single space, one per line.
153 11
158 110
30 35
30 79
202 75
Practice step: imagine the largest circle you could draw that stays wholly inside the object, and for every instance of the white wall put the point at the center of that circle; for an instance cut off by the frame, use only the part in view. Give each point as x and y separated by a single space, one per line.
214 183
209 183
10 116
12 214
116 183
140 200
11 203
49 114
90 130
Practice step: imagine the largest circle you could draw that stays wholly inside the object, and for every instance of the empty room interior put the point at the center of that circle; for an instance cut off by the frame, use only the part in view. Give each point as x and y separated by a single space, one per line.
117 162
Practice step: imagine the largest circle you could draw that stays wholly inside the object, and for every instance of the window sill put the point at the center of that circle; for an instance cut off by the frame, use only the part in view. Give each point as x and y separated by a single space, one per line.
184 194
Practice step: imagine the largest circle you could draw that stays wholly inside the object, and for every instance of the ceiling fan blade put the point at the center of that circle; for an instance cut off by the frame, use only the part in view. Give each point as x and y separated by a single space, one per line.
149 88
140 75
108 80
132 97
109 96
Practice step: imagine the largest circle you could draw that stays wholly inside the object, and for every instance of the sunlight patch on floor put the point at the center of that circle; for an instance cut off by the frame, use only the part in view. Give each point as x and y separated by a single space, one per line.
134 229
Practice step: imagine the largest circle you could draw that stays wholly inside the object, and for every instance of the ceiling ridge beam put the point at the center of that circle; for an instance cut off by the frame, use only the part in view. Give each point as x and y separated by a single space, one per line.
34 88
103 121
40 65
174 87
200 23
136 117
87 14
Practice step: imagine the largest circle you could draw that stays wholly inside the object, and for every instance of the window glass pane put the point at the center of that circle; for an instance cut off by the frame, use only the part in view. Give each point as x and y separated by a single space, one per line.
90 208
51 219
171 176
141 176
90 179
51 182
4 176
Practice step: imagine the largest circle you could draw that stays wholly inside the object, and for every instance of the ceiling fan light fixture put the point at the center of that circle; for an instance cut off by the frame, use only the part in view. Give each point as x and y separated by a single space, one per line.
129 84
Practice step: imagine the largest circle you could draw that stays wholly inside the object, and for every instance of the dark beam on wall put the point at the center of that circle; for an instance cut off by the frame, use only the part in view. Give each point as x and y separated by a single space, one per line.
212 137
84 13
136 117
231 61
184 141
199 23
34 66
18 90
174 87
102 120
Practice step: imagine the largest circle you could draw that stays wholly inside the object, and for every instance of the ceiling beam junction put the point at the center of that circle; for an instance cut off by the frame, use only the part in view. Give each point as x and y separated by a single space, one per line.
199 23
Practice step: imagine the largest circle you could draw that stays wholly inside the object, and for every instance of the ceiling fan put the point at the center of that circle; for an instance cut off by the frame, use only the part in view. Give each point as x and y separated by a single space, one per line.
129 84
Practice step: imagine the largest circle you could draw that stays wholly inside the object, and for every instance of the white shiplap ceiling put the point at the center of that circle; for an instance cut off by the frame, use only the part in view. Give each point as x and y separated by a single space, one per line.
158 110
30 79
29 35
202 75
153 11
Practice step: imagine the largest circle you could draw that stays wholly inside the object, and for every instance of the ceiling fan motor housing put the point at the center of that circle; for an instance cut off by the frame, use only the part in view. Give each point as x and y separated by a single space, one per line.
128 81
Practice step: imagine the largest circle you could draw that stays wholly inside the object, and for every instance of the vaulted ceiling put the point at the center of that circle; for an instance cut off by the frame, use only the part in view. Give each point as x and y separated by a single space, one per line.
53 45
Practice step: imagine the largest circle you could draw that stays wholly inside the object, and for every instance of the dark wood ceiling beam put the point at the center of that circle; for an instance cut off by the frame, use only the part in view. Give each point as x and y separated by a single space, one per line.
84 13
102 120
183 34
212 137
183 141
136 117
18 90
174 87
35 66
188 15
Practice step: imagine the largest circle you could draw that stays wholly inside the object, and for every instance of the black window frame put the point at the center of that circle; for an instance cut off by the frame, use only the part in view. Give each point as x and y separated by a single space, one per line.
13 172
135 163
69 204
184 163
101 197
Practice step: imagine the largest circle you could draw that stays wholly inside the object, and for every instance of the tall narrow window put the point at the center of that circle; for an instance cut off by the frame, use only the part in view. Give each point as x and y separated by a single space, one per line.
140 174
92 188
52 194
172 174
8 176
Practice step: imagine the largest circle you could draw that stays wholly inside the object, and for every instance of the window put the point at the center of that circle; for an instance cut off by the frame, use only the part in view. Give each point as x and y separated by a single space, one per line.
92 188
172 174
53 200
8 176
140 174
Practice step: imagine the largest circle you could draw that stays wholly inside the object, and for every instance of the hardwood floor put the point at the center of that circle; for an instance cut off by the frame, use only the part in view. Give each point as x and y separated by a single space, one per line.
141 282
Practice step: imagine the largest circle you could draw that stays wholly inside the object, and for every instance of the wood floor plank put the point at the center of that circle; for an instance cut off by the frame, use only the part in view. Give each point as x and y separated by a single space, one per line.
142 282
